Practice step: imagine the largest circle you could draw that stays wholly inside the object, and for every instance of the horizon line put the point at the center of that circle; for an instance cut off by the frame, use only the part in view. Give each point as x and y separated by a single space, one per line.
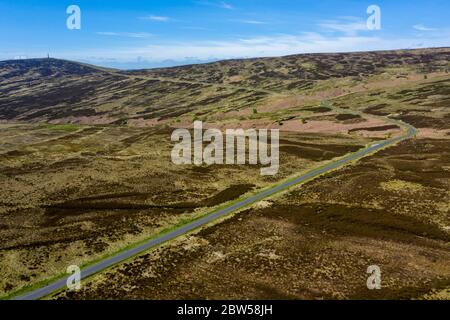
212 60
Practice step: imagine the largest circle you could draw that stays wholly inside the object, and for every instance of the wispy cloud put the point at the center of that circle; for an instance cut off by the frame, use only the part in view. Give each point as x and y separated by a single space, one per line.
343 34
193 28
225 5
156 18
275 45
421 27
348 25
126 34
250 21
221 4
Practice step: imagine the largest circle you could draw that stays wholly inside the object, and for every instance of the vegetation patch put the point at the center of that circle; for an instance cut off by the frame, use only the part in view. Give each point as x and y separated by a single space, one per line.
399 185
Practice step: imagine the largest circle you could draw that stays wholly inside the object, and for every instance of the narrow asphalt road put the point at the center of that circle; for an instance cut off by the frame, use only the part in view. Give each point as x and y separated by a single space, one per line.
104 264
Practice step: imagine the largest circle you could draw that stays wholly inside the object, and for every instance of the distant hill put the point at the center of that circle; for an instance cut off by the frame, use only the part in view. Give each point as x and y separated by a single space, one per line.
58 90
288 72
32 69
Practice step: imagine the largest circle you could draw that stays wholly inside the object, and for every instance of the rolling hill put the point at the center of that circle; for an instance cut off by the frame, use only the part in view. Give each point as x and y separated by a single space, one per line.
51 90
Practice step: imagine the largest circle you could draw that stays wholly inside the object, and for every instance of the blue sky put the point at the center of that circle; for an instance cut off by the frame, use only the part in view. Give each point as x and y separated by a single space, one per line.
138 34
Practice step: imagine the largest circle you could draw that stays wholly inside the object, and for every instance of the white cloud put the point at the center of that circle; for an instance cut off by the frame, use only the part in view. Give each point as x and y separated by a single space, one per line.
250 21
193 28
421 27
225 5
345 34
277 45
156 18
351 26
126 34
222 4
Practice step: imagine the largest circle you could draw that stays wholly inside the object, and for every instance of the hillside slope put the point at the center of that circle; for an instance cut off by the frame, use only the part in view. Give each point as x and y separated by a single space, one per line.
51 90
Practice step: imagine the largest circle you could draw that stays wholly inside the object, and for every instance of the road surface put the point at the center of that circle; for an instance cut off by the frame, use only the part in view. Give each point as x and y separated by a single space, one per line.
104 264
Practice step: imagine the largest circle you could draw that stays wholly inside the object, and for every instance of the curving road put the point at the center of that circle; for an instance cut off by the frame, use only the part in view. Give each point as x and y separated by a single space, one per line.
104 264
